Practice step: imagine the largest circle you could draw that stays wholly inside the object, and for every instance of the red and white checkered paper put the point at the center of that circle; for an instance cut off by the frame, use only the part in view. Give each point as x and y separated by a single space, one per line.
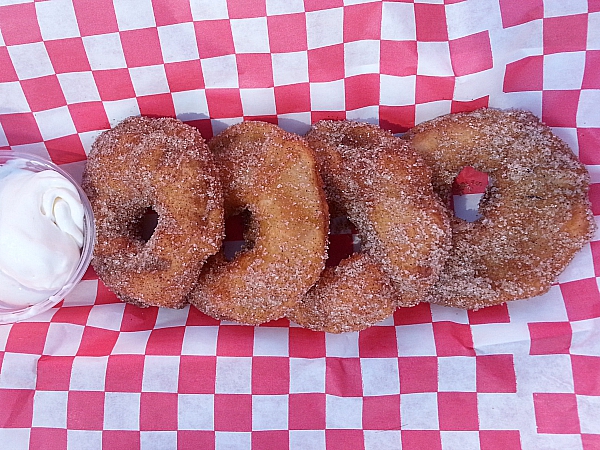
96 372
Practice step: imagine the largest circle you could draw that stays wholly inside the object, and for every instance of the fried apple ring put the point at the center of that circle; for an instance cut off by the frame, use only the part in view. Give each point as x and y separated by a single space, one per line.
164 165
271 174
535 213
385 189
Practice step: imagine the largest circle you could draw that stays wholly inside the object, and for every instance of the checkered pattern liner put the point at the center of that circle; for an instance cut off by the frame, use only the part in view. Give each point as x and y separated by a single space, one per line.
96 372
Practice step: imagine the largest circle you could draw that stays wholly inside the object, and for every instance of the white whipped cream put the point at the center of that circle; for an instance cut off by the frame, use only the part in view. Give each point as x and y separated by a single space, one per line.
41 234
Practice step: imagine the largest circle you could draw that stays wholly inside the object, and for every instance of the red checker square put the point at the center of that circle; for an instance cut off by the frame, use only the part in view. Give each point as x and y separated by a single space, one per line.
17 408
590 441
8 72
306 412
270 375
343 377
224 103
418 374
254 70
65 150
89 116
362 90
581 299
67 55
471 54
559 108
167 12
120 439
591 74
235 340
565 33
399 119
344 439
513 13
197 374
458 411
77 315
194 439
20 128
430 89
159 105
100 19
292 98
48 438
492 314
165 341
422 439
138 319
327 115
287 33
19 24
208 46
398 58
85 410
158 411
589 142
362 21
326 63
316 5
270 439
556 413
585 374
526 74
378 342
453 339
269 119
499 439
205 128
242 9
27 337
141 47
114 84
495 373
195 317
43 93
340 247
233 412
550 338
124 373
381 413
430 20
54 373
593 5
97 342
184 75
306 343
105 296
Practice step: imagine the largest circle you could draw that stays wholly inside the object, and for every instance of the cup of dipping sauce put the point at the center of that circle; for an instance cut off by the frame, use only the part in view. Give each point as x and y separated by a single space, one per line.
46 235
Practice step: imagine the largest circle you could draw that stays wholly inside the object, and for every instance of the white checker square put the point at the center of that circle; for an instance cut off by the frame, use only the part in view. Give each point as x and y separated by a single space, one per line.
134 15
104 51
234 375
446 314
415 340
19 371
57 19
209 9
278 7
307 439
569 135
289 68
3 139
535 441
30 60
87 139
593 37
269 412
587 111
220 72
160 374
361 57
457 374
107 317
13 98
190 105
118 110
459 439
380 376
84 440
55 123
149 80
382 439
419 411
549 307
482 15
88 373
504 411
271 341
555 8
85 288
564 71
50 409
15 438
529 100
325 27
298 123
427 111
122 411
343 412
222 124
258 102
586 337
544 373
518 41
250 35
581 266
226 440
63 339
78 87
589 412
178 42
170 317
434 59
397 91
4 332
196 412
328 96
342 345
496 338
479 84
398 22
307 375
158 440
